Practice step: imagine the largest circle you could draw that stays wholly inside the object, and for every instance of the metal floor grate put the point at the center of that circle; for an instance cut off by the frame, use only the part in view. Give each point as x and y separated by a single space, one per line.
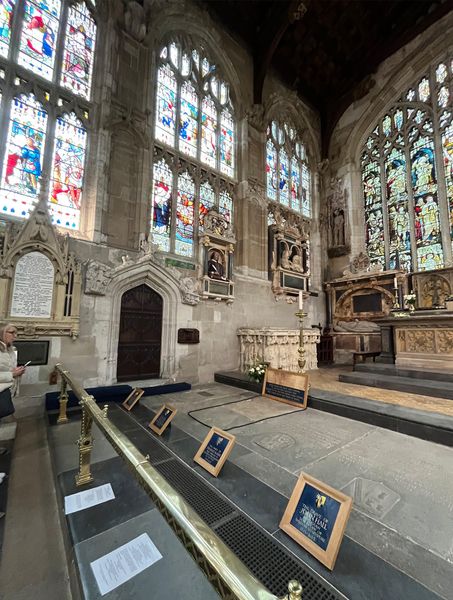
202 498
268 561
264 556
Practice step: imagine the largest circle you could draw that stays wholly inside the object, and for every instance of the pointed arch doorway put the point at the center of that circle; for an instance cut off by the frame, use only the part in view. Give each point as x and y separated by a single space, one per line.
139 343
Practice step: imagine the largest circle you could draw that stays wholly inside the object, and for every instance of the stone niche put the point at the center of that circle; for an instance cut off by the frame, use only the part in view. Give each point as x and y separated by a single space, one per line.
355 301
289 252
216 247
432 288
40 280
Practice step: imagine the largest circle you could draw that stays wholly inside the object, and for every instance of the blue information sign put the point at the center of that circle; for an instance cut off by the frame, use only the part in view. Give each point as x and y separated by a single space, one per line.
284 392
214 449
315 515
162 418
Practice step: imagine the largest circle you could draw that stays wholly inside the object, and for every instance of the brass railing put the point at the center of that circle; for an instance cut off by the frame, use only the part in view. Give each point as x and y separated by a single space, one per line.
229 576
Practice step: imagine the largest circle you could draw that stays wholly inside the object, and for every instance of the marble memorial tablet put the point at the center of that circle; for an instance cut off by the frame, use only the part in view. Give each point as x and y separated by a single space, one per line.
316 518
133 398
162 419
286 386
33 286
214 450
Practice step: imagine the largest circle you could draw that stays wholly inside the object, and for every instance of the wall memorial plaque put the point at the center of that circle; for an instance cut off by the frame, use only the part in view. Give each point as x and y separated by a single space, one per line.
133 398
162 419
188 336
214 450
33 286
316 518
33 352
286 386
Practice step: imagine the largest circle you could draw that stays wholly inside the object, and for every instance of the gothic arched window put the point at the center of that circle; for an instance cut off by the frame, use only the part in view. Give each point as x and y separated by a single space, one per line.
194 120
46 65
407 177
288 178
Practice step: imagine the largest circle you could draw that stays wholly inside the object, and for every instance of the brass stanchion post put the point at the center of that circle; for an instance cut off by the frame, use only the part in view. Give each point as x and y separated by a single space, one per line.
85 444
63 400
295 591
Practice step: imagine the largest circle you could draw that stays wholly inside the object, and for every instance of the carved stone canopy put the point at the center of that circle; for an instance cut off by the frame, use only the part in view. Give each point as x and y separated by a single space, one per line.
217 226
288 224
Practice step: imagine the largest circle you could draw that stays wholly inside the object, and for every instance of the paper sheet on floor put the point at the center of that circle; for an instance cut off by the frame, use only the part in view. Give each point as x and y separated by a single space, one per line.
87 498
120 565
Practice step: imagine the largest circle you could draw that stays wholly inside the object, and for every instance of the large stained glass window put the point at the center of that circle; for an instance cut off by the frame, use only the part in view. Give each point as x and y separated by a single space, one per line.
288 179
407 177
194 117
46 144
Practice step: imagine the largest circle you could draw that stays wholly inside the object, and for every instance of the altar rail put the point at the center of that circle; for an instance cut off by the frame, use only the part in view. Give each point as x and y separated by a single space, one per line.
225 571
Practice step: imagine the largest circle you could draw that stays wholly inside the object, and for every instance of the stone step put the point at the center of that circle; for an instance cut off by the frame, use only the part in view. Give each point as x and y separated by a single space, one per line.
393 370
425 387
422 424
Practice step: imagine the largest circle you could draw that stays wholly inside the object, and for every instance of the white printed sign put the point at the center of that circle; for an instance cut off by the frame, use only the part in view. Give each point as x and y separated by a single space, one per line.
33 286
87 498
120 565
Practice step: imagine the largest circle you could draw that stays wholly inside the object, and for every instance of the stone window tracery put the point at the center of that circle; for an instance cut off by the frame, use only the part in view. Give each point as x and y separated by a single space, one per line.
407 176
288 177
46 62
194 138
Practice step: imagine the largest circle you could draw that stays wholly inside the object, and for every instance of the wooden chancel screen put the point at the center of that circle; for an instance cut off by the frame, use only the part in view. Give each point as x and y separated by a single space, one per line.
140 334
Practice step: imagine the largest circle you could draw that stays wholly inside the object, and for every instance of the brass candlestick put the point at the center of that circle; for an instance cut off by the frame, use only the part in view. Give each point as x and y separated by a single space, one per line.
396 304
300 314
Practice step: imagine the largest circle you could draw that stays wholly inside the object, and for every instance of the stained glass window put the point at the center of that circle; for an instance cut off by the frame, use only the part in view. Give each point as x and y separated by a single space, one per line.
22 165
40 35
407 183
78 54
6 17
185 215
288 178
194 117
161 205
68 171
56 42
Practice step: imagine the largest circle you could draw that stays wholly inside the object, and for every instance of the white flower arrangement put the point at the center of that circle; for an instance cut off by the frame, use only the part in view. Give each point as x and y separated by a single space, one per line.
257 372
410 298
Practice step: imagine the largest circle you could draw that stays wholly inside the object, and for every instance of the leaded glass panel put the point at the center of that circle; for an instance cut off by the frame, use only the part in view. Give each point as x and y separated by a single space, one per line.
40 31
207 201
161 205
166 105
6 17
78 55
68 171
208 132
188 127
404 227
227 143
185 215
22 165
287 174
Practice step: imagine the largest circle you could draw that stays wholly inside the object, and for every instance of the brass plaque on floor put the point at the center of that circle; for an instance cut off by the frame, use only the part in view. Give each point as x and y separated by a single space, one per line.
133 398
214 450
286 386
316 518
162 419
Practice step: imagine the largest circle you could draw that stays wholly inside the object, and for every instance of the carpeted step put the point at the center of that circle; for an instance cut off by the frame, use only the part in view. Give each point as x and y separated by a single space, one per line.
425 387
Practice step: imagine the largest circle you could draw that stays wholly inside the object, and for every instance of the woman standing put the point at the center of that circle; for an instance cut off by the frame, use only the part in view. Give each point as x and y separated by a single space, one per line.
9 371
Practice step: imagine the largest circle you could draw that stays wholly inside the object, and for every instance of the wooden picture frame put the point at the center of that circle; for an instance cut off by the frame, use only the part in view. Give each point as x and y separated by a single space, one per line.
286 386
162 419
214 452
133 398
316 517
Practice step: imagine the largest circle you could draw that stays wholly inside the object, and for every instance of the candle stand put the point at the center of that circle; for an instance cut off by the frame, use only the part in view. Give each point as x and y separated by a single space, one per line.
396 304
300 314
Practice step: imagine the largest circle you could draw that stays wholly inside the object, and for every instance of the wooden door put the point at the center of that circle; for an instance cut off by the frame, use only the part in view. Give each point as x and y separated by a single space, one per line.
140 334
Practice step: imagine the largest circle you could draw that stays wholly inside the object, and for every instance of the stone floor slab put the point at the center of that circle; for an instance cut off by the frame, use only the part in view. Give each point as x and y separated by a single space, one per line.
161 580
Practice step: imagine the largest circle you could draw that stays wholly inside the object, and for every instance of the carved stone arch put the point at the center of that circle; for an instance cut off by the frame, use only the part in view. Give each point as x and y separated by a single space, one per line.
380 100
161 281
126 125
277 107
343 306
199 28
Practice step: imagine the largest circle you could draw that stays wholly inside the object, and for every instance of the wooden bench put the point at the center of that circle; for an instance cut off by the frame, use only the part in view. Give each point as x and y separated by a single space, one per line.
364 356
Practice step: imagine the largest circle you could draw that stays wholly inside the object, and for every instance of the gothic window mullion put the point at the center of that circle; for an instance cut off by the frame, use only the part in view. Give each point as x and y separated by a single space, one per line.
411 207
442 197
48 151
60 47
384 206
176 170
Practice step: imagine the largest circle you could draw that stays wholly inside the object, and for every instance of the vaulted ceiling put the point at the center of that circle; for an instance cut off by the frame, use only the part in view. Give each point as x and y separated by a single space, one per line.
326 50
